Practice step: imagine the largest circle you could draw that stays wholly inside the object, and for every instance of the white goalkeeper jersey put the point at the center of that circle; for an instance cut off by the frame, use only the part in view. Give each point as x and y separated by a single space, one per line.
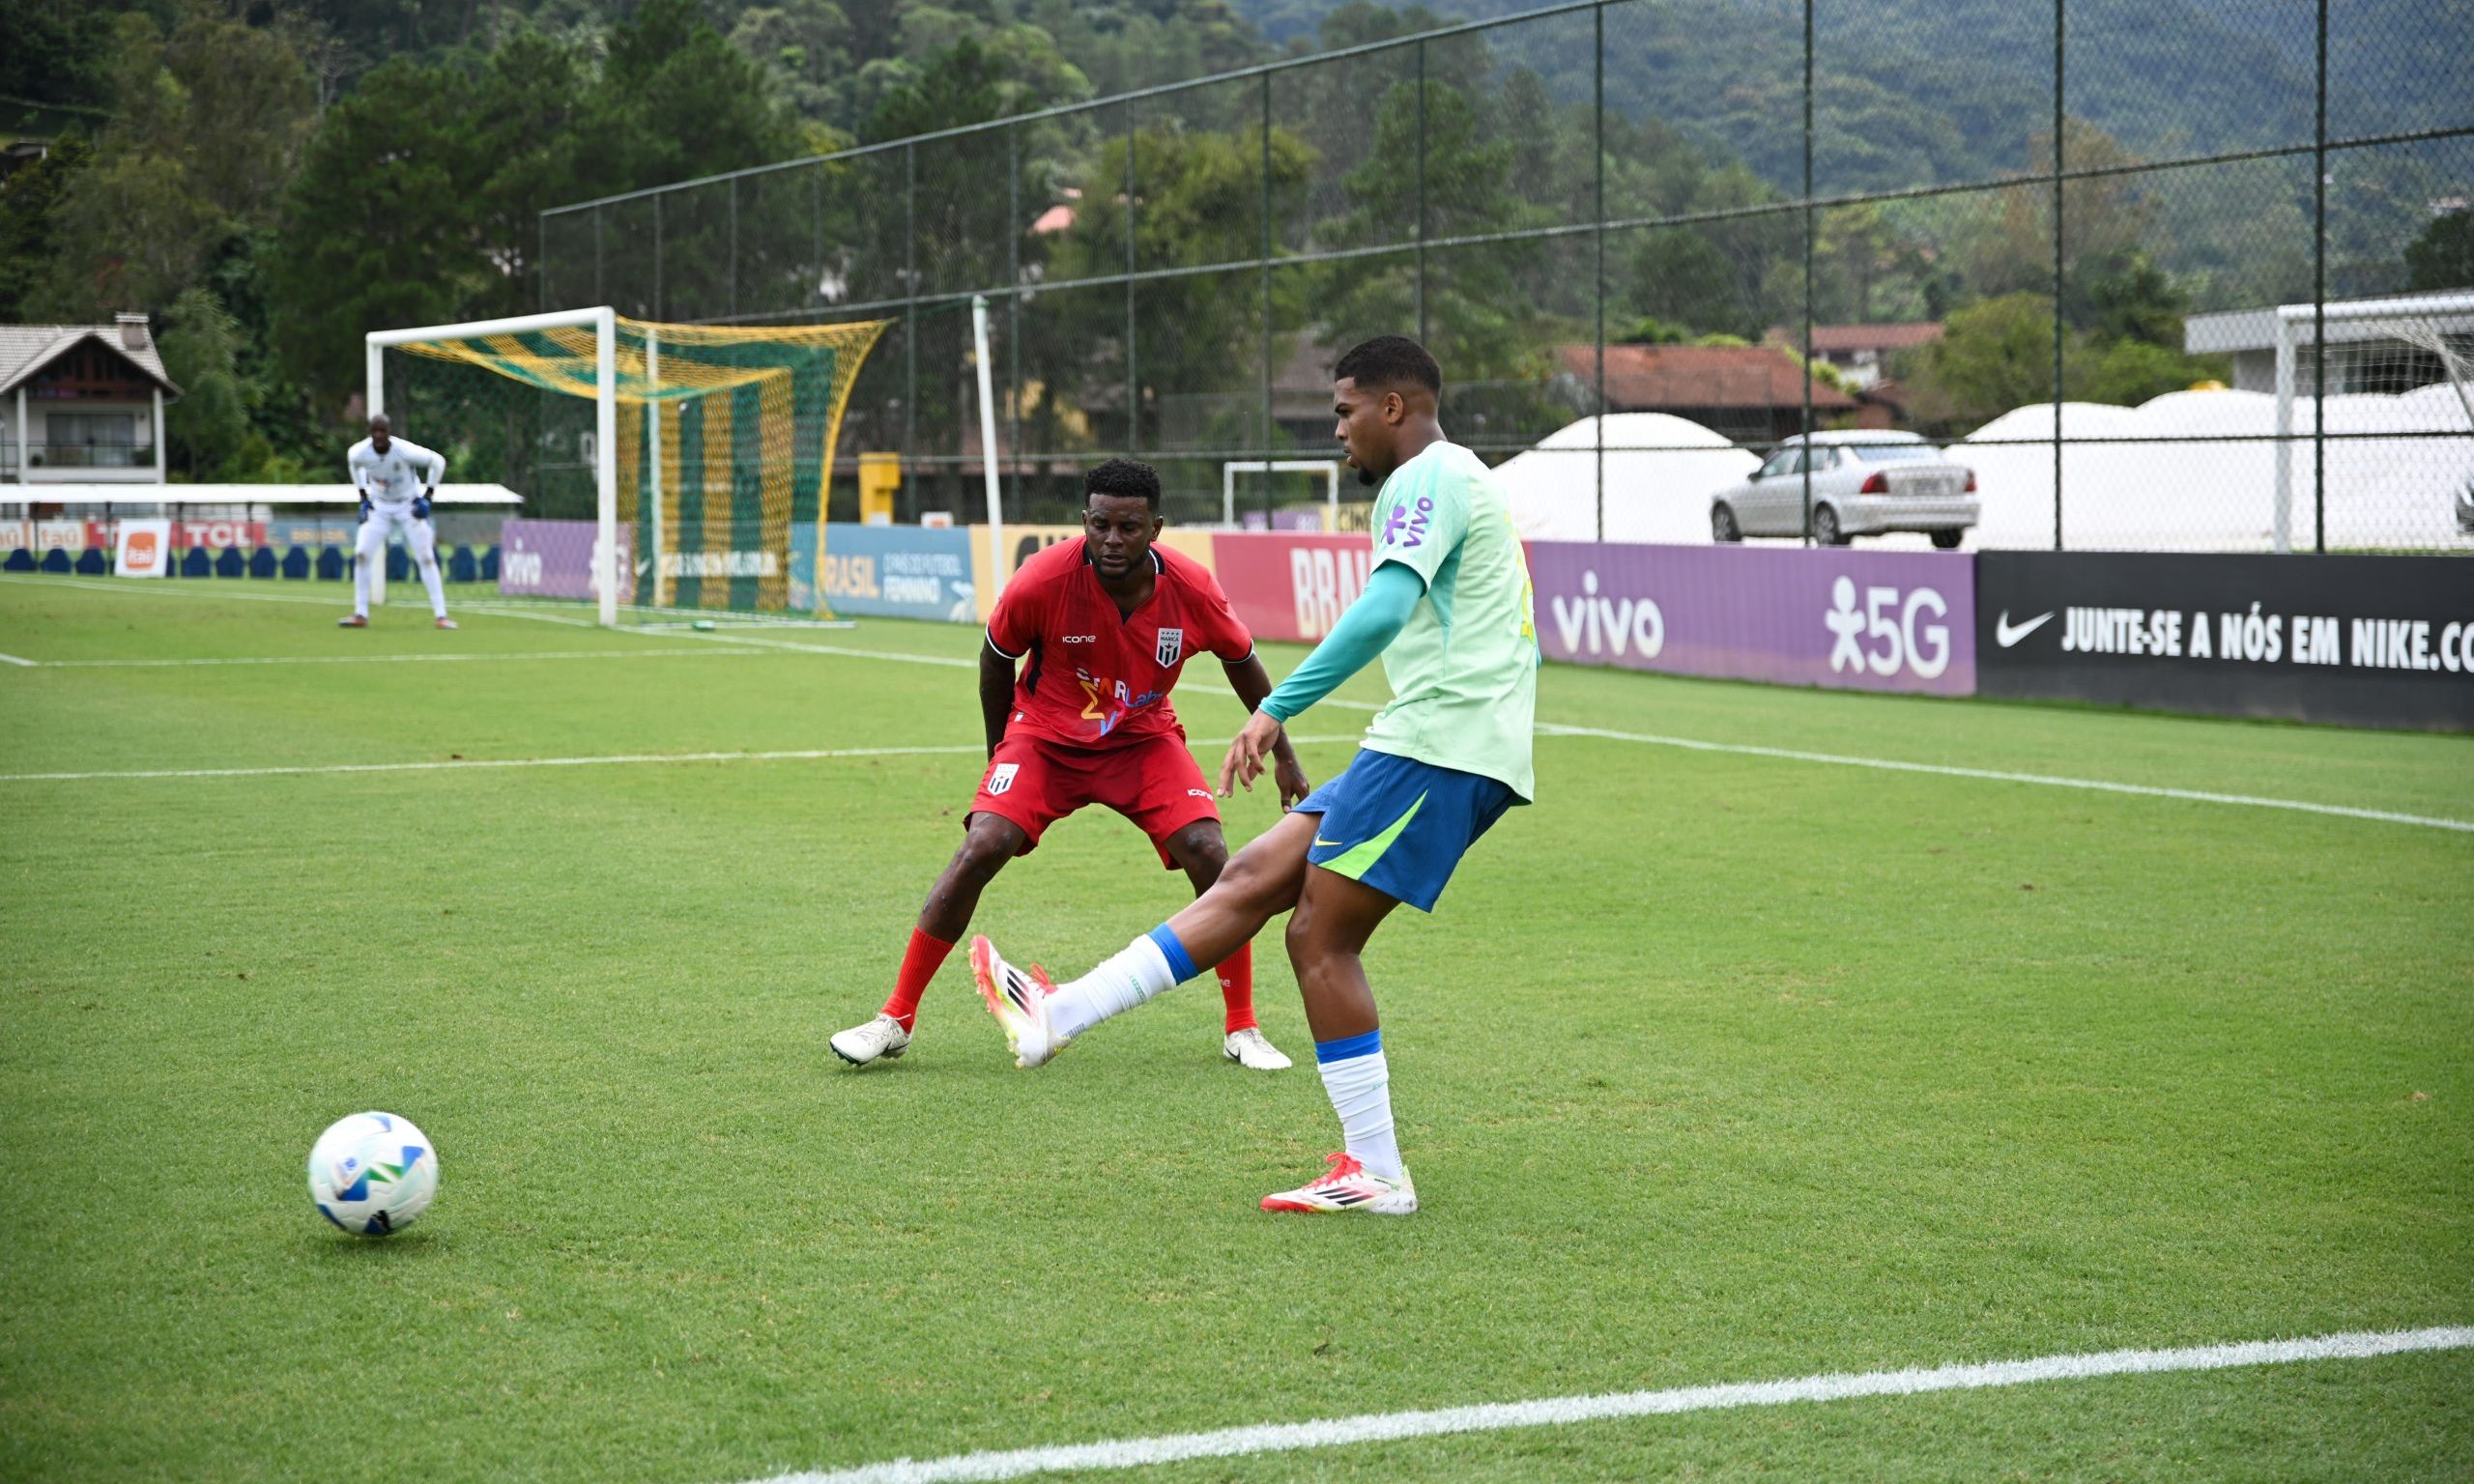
397 477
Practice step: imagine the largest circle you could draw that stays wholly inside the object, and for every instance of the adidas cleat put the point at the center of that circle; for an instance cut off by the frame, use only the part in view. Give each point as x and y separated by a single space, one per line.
1250 1049
881 1039
351 621
446 623
1348 1185
1020 1002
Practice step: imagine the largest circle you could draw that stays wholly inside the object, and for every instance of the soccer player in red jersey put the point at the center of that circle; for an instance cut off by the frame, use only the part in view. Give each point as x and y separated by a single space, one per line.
1100 628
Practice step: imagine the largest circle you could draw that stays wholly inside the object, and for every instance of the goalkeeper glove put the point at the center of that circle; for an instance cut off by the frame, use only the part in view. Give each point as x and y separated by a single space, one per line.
420 507
363 518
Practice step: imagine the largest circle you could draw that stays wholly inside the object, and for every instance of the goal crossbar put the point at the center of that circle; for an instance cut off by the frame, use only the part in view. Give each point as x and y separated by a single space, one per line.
1329 468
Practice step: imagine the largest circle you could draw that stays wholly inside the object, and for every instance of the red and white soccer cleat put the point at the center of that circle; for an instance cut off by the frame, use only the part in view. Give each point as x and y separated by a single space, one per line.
446 623
351 621
1348 1185
1020 1002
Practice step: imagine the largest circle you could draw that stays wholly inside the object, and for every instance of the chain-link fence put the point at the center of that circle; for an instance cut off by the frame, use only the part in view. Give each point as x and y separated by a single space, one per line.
2112 260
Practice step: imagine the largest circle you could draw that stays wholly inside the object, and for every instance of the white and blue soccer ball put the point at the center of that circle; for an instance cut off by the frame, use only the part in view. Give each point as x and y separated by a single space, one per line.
372 1173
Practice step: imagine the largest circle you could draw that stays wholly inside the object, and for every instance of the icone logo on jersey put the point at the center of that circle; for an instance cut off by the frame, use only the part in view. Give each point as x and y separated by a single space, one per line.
1407 527
1898 643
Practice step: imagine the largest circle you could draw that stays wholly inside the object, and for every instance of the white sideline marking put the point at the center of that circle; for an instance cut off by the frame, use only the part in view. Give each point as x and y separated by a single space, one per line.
175 587
19 659
1555 1412
613 760
385 659
1990 775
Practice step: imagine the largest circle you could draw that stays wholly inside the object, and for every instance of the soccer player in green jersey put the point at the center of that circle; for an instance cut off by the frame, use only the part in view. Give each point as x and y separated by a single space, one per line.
1448 607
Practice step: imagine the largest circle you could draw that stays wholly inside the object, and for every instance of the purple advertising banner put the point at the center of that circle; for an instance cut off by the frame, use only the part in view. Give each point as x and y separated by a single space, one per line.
553 559
1852 620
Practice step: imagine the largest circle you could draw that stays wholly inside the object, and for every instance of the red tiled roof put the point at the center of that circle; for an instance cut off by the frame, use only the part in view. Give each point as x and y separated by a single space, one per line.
1649 378
1839 339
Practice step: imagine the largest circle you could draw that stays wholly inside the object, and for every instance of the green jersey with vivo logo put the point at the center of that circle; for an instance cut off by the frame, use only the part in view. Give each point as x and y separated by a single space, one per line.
1464 670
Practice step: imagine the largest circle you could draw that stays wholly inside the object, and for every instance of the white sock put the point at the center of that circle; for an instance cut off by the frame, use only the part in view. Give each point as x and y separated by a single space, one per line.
437 586
1360 1089
1139 973
361 586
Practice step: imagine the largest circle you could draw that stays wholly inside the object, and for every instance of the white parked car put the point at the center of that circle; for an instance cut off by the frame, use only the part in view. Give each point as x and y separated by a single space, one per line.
1865 482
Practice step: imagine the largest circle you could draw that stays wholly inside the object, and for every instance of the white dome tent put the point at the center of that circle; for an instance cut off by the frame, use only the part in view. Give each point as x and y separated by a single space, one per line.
1661 473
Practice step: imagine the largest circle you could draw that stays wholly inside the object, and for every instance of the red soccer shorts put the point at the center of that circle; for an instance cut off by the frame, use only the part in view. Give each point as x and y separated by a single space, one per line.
1155 782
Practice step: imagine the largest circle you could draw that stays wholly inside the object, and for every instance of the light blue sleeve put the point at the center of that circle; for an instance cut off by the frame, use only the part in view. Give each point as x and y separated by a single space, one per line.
1365 630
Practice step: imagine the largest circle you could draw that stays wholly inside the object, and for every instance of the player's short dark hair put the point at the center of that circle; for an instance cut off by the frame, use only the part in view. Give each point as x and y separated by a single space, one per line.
1125 478
1390 361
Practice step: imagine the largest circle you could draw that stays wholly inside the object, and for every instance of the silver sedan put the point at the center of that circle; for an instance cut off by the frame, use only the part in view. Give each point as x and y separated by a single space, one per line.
1865 483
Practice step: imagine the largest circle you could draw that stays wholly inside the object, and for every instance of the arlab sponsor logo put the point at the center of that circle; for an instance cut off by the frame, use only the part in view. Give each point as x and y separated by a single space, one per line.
1890 622
1603 625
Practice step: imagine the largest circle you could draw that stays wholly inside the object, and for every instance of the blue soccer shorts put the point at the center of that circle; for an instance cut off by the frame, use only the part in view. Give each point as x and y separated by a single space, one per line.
1400 826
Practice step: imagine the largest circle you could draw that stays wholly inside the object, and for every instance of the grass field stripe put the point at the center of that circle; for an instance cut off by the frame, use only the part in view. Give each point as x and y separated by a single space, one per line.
607 761
19 658
1991 775
390 659
1501 1417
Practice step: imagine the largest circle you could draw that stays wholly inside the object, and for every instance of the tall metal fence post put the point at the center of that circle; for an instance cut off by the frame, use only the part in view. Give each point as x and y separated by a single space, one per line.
1805 457
909 311
658 215
1422 193
1132 378
2320 304
1598 249
1014 314
734 254
2057 74
1269 453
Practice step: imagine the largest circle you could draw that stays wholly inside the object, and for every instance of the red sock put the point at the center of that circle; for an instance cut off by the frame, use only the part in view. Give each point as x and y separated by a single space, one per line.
1237 987
919 964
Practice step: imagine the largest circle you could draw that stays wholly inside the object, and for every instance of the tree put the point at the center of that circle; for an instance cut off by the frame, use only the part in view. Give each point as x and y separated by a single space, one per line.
1993 355
206 125
2443 256
29 204
209 426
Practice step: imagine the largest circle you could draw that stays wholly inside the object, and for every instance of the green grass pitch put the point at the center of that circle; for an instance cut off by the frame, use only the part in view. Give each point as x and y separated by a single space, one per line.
1711 1068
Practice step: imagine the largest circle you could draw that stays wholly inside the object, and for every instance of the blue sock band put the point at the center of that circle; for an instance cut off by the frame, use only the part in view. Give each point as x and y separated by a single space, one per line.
1347 1046
1180 963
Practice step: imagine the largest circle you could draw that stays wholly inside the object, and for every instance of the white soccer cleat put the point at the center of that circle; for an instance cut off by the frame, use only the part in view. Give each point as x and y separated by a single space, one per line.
1348 1185
1020 1002
1248 1049
880 1038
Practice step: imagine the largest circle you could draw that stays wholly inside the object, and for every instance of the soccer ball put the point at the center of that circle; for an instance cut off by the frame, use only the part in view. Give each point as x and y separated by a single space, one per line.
372 1173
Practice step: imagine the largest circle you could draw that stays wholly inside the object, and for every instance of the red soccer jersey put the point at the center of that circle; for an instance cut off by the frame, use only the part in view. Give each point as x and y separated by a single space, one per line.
1096 677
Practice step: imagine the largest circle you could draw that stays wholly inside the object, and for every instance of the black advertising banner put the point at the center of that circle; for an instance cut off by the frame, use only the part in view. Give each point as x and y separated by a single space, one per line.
2365 640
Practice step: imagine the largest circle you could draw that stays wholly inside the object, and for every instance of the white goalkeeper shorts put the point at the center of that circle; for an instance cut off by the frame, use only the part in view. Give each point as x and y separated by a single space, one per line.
419 538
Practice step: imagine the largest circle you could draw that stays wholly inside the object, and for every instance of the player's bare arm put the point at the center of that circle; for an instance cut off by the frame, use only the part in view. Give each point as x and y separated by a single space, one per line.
995 694
1251 683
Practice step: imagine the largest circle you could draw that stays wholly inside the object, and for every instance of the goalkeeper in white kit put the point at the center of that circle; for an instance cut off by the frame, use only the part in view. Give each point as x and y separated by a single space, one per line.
397 479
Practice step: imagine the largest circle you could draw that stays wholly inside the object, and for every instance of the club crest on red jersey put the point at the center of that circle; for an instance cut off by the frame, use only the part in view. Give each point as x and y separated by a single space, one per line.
1173 644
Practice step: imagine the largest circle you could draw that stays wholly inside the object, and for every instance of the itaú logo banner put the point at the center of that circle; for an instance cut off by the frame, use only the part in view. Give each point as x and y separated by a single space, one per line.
1848 619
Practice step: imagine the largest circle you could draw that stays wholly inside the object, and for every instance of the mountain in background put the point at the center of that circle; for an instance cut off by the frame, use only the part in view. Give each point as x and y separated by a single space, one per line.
1912 93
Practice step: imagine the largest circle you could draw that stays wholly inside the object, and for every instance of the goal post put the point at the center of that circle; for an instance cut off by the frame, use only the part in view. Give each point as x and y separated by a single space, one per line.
695 448
1329 468
2380 346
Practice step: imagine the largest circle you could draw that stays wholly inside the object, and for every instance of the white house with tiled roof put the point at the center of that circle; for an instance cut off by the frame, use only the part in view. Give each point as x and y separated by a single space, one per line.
82 404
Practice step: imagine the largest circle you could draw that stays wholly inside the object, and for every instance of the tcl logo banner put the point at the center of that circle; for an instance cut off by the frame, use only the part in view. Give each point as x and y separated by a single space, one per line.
1844 618
2368 641
1287 585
